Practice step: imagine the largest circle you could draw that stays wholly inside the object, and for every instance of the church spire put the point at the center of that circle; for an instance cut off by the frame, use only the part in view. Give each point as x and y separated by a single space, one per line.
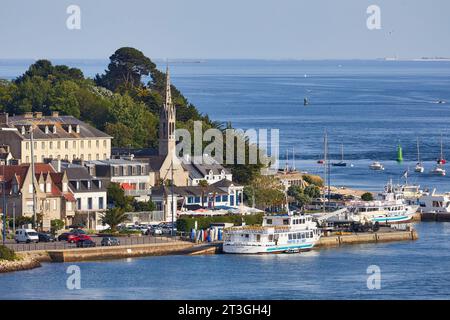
167 121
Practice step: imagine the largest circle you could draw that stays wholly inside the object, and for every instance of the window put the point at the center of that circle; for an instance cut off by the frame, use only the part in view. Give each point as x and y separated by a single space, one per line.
104 143
104 156
74 144
190 200
54 204
74 156
64 187
50 144
224 198
97 157
66 157
218 198
66 144
43 145
97 143
197 199
48 187
27 145
30 188
100 203
82 144
41 186
69 206
27 159
89 143
89 203
286 222
79 203
89 156
35 145
269 221
59 144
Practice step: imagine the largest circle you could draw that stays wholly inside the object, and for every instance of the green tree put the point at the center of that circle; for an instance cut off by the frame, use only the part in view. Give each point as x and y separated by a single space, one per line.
113 217
56 225
125 70
116 197
312 191
367 196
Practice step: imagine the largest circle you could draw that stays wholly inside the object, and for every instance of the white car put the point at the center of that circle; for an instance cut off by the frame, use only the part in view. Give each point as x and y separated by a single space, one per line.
26 235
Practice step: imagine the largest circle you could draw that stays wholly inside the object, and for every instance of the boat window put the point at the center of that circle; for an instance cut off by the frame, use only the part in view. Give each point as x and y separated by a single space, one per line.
246 235
286 222
311 234
258 237
269 221
290 236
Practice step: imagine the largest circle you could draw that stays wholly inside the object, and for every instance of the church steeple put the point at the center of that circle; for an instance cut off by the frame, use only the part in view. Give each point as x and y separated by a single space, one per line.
167 121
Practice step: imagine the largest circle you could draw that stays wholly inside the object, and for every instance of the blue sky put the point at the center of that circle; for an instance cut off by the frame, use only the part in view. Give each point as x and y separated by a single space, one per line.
263 29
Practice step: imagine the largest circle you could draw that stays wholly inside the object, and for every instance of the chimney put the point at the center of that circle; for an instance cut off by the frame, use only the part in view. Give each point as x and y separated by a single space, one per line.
4 119
38 115
28 115
55 114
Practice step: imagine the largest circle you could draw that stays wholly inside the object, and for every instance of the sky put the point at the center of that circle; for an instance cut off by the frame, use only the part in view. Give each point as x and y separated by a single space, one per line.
225 29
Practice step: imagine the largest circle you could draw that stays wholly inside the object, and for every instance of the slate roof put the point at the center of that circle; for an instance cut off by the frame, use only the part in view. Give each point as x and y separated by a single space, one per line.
60 122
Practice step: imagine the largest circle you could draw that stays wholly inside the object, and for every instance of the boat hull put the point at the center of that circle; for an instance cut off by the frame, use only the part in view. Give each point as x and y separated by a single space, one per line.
393 219
247 249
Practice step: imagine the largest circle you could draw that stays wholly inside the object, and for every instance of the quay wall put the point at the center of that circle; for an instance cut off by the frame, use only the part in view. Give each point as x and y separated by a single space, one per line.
119 252
440 217
366 238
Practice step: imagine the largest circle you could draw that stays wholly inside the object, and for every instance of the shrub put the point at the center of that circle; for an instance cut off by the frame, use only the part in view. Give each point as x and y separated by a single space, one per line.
188 223
7 254
367 196
314 180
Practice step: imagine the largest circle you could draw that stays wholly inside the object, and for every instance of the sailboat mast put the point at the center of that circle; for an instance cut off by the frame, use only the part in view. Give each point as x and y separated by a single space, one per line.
418 151
293 158
342 152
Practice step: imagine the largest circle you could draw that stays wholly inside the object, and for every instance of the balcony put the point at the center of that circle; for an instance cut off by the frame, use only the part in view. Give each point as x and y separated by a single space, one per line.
137 193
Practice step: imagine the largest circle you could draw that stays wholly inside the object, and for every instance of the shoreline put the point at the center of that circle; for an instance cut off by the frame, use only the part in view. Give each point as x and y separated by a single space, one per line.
24 263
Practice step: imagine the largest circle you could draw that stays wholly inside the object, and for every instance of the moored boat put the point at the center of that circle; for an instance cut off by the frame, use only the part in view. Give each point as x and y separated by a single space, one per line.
279 233
376 166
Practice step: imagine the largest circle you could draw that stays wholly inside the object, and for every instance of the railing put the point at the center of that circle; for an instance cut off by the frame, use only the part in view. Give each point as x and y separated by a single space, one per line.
124 241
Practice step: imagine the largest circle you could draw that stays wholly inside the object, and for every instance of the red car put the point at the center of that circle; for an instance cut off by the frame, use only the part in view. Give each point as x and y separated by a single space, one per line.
74 238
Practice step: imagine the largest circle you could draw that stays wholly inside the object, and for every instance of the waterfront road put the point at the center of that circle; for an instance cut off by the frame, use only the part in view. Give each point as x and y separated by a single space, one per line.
133 240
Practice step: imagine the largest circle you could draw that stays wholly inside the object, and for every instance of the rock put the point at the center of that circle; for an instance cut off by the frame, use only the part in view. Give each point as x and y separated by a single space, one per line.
17 265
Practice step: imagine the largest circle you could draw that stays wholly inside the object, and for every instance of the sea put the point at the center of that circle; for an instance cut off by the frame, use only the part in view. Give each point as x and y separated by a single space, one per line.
367 107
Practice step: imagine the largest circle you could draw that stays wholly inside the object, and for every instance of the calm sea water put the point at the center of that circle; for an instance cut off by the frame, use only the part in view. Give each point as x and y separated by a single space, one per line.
409 270
369 106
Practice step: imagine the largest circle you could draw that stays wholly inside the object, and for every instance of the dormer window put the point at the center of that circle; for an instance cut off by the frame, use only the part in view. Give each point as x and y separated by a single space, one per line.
64 186
89 185
46 130
54 129
99 184
42 187
22 130
69 128
78 185
48 187
78 128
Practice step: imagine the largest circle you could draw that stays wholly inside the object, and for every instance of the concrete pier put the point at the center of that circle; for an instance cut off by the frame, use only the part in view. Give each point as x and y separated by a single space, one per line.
358 238
441 217
119 252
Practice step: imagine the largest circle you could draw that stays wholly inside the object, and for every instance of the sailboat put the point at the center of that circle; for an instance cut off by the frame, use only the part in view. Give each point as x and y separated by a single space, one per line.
439 170
340 163
441 159
419 167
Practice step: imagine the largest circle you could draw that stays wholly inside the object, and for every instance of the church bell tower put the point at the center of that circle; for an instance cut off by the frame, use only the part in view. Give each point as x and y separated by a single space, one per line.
167 122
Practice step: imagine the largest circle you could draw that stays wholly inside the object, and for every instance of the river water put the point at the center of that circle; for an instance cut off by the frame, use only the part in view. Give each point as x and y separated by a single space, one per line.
409 270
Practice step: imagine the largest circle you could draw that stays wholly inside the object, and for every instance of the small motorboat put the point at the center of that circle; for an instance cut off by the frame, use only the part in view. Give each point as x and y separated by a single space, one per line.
376 166
305 101
438 171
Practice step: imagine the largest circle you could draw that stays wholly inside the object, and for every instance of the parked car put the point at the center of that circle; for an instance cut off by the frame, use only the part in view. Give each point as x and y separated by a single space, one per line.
26 235
85 243
64 236
75 238
110 241
46 237
77 231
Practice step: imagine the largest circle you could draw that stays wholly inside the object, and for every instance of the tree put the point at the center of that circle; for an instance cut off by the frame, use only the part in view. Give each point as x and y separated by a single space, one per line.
367 196
203 184
125 70
113 217
116 197
56 225
312 191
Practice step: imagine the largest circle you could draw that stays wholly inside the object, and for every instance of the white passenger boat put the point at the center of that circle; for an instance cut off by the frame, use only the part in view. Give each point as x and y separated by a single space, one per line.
287 233
376 166
389 207
435 202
